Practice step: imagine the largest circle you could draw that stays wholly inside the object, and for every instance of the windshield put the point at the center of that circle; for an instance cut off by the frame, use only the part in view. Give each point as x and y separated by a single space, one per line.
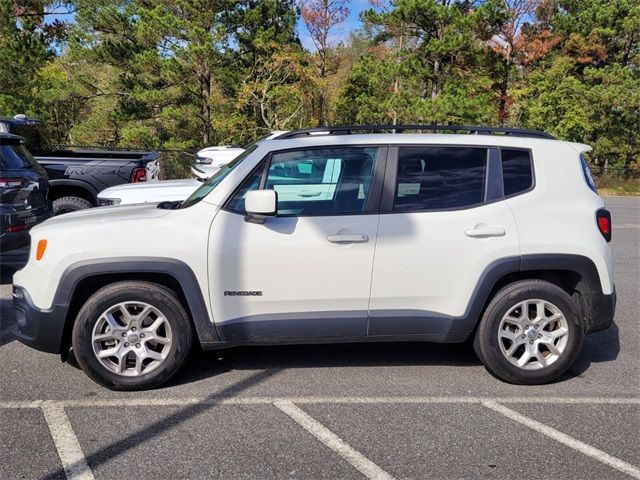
220 175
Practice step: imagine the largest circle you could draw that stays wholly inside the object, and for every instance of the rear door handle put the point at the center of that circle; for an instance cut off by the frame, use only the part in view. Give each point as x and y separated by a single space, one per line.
307 193
348 238
483 232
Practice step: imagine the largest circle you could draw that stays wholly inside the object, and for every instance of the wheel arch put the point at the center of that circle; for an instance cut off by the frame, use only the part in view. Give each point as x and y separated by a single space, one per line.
575 274
83 279
72 188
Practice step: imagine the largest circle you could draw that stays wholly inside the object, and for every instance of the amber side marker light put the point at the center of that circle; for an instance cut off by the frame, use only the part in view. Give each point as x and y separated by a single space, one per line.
42 246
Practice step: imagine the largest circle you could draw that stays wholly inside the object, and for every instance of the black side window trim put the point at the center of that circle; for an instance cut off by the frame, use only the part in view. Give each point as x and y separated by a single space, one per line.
494 189
375 190
261 165
533 171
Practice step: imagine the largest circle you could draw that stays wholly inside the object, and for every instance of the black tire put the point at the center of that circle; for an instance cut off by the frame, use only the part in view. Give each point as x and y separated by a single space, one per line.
70 204
157 296
486 342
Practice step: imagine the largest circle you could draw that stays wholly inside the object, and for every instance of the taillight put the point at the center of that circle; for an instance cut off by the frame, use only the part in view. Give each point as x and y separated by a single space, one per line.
603 219
10 182
17 228
139 174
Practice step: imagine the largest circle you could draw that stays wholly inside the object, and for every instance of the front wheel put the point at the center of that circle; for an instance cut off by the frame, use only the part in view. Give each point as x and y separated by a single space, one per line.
132 335
530 333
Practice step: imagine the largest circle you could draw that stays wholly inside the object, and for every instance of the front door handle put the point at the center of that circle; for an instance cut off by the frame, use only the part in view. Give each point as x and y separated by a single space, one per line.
484 232
348 238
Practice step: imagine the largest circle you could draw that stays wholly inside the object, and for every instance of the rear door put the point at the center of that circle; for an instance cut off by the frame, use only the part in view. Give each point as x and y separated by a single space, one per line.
305 274
443 225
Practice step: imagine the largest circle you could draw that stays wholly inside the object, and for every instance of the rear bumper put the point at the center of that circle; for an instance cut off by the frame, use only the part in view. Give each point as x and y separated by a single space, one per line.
599 312
39 329
13 240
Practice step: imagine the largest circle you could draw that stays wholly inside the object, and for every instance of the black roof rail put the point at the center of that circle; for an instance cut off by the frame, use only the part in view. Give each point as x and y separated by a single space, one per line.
471 129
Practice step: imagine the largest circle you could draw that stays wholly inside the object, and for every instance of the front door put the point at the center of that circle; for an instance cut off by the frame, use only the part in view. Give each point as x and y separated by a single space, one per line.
307 272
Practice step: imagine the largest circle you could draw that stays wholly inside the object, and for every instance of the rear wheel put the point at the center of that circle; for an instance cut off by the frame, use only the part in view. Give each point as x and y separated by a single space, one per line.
132 336
530 333
69 204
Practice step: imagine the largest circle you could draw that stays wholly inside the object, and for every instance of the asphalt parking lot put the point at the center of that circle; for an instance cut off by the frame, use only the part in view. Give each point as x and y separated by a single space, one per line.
338 411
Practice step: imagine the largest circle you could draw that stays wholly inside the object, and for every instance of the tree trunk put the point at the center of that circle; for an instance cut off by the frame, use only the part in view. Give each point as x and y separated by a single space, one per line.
205 107
435 87
396 84
321 97
504 93
631 142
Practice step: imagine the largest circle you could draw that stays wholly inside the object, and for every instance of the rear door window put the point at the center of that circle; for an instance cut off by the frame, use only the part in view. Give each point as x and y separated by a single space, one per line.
434 178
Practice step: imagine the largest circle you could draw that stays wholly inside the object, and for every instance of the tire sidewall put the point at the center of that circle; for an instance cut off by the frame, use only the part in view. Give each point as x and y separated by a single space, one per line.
71 204
101 301
505 300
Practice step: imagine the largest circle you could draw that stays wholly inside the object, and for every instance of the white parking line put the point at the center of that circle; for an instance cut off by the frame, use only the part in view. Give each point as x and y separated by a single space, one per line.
331 440
76 467
565 439
178 401
73 461
21 404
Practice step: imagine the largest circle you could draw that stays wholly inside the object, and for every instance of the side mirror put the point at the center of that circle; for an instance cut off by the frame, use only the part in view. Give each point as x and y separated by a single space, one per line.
260 205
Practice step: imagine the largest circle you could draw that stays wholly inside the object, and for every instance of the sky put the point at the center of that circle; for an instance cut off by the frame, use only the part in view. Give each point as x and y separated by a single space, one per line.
341 32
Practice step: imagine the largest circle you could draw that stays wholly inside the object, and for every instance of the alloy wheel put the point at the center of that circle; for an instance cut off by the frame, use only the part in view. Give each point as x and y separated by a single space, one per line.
131 338
533 334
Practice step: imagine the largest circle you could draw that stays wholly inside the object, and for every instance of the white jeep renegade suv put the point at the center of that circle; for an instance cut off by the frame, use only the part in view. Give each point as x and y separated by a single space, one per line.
336 235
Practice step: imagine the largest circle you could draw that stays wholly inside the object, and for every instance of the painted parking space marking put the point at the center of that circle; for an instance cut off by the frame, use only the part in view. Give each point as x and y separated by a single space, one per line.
76 467
222 400
565 439
331 440
73 460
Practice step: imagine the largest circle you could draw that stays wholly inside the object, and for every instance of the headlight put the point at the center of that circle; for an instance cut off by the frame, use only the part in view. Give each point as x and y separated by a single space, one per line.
103 202
203 160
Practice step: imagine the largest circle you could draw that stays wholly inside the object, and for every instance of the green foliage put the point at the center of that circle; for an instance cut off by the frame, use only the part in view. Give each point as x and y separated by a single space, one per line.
181 74
26 46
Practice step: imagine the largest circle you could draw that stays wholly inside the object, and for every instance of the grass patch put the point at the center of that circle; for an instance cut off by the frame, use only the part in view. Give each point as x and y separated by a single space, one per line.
610 185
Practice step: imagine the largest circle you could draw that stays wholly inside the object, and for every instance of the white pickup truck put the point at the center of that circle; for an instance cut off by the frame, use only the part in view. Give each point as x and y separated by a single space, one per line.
208 161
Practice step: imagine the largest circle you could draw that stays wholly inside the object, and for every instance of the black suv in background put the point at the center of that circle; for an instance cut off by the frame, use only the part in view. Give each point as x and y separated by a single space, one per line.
23 193
77 176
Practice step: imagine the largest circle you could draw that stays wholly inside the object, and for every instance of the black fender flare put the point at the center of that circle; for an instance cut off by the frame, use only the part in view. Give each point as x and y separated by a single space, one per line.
579 264
180 271
90 189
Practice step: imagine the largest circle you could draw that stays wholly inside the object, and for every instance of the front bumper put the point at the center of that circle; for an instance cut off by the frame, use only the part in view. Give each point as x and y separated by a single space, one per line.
600 310
39 329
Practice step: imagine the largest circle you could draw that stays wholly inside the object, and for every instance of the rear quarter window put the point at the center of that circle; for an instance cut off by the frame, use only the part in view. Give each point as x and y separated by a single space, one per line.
517 171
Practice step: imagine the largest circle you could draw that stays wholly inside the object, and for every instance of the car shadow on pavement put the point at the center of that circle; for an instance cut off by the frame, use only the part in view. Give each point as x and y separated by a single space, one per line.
158 428
207 364
599 347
